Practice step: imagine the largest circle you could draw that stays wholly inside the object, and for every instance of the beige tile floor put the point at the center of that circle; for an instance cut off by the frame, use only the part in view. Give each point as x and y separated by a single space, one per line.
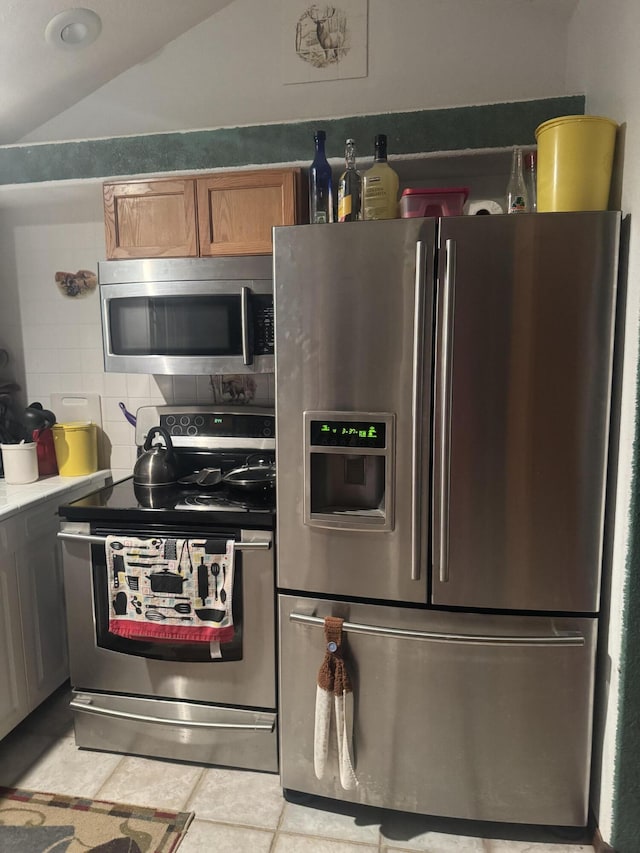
238 811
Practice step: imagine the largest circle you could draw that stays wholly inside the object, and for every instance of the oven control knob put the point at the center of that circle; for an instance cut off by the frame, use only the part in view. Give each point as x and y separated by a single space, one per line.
199 421
176 430
266 432
192 430
185 420
170 420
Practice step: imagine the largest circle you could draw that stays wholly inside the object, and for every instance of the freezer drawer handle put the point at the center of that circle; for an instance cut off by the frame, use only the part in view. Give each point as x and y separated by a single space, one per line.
565 638
100 540
86 707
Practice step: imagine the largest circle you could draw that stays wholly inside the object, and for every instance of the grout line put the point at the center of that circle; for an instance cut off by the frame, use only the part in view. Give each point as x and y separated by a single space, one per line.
122 758
195 786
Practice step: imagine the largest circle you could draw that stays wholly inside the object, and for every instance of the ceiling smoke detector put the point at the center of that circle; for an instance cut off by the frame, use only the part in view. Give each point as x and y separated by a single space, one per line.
73 29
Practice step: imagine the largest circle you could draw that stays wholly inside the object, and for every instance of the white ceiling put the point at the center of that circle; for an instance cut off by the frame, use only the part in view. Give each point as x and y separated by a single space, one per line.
38 80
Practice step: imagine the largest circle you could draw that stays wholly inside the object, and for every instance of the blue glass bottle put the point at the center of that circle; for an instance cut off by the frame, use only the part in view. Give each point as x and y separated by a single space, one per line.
320 184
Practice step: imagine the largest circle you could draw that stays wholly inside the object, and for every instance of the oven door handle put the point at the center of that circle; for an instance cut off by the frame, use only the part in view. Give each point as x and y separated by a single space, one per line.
100 540
86 707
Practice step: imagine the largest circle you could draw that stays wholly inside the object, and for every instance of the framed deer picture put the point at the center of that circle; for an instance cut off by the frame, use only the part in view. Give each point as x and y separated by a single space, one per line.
322 41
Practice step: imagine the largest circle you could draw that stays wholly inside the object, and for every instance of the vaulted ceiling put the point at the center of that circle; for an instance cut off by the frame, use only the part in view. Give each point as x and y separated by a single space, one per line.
41 76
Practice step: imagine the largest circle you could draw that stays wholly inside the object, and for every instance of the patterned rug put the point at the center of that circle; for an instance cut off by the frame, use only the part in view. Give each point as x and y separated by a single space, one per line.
31 822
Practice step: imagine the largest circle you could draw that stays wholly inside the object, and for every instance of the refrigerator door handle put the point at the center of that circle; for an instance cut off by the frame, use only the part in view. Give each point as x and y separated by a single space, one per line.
561 638
442 410
416 412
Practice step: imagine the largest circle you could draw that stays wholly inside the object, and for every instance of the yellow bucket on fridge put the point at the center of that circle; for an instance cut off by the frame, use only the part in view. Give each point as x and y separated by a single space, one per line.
76 446
575 159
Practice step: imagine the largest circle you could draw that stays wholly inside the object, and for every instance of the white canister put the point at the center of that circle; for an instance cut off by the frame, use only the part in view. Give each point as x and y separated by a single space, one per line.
20 462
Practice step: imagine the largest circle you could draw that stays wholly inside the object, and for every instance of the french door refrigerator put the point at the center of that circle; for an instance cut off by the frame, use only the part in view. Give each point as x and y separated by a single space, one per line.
443 401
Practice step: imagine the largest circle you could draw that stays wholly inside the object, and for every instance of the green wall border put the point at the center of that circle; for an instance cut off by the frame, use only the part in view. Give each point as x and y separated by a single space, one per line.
418 132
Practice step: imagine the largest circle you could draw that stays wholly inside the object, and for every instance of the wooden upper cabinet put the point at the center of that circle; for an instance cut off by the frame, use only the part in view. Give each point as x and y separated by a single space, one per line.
151 219
237 210
230 213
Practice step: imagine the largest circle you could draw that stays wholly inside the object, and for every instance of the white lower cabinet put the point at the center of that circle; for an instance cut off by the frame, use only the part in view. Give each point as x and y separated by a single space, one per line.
13 695
33 635
41 591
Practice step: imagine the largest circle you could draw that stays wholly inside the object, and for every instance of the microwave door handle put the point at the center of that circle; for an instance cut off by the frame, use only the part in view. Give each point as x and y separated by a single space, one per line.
247 343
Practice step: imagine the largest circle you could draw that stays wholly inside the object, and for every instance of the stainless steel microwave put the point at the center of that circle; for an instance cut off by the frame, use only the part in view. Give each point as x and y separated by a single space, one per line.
188 315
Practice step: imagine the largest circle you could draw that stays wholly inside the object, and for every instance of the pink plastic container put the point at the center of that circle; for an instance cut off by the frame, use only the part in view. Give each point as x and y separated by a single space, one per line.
418 201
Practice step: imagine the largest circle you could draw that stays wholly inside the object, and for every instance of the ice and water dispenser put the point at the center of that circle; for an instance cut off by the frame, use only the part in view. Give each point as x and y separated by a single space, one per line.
349 470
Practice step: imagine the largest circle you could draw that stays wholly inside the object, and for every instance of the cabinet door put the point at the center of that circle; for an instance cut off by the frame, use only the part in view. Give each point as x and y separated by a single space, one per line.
13 693
237 210
151 219
42 605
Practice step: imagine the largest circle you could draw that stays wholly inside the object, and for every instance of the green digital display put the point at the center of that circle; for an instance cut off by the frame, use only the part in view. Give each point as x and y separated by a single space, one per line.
348 434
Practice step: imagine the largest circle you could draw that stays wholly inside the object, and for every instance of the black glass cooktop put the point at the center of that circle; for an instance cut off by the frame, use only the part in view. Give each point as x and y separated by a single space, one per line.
124 501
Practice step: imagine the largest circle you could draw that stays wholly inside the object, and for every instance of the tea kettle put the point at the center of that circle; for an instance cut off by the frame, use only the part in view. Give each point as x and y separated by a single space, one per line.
157 465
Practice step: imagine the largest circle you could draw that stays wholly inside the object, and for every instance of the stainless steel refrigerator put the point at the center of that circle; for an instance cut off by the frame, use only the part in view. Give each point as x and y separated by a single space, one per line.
443 398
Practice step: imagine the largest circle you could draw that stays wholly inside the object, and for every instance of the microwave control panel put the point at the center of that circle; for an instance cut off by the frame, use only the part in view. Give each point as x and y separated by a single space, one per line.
263 326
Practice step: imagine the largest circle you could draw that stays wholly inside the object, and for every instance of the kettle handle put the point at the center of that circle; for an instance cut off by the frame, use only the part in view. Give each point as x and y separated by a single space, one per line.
161 431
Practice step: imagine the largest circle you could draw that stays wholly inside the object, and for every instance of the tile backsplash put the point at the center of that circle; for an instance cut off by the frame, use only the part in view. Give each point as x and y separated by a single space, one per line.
62 338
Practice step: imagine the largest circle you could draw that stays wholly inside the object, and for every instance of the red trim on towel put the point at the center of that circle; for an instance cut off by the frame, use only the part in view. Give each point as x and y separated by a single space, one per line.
190 634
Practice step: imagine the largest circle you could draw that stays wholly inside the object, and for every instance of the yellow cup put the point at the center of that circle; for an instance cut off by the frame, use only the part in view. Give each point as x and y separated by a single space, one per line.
575 158
76 446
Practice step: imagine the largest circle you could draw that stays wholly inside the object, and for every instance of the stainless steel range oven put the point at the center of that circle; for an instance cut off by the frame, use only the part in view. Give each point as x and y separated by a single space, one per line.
166 697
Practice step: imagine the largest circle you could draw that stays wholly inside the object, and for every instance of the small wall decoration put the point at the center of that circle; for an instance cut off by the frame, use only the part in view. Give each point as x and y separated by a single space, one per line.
78 283
236 389
323 41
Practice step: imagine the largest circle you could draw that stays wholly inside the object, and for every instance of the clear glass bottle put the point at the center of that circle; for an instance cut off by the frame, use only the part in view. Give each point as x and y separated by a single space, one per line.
517 195
350 186
320 184
380 185
530 179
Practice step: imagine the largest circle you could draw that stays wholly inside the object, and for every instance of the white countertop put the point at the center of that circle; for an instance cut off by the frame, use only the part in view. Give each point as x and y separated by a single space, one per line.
16 498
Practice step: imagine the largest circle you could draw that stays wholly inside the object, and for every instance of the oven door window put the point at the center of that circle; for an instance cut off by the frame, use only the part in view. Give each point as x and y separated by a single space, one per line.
197 325
162 650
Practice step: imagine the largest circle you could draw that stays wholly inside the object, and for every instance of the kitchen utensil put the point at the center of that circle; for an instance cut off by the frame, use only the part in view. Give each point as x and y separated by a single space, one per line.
205 478
165 581
157 465
170 549
120 604
210 614
179 608
153 545
133 582
118 566
157 616
203 581
149 565
137 605
223 591
215 571
117 546
131 418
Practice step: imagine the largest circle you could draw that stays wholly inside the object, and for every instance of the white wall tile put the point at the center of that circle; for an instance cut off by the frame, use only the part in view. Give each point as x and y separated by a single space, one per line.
121 458
115 385
92 383
138 385
92 361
